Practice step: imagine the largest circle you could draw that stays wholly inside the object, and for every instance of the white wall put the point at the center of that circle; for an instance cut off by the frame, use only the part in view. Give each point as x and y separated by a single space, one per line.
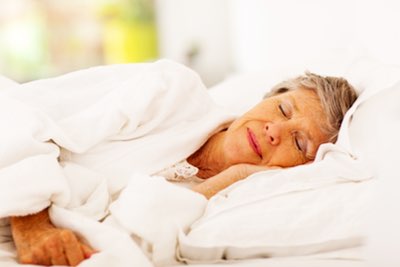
202 24
378 28
307 34
285 36
270 35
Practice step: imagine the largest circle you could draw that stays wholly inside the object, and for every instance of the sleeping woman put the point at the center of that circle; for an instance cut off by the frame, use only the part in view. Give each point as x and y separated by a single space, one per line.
285 129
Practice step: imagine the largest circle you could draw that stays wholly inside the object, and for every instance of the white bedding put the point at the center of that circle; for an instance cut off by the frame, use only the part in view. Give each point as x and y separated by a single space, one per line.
165 219
110 122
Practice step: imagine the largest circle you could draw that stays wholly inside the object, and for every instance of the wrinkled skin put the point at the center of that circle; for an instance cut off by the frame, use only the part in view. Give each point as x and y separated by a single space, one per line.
38 241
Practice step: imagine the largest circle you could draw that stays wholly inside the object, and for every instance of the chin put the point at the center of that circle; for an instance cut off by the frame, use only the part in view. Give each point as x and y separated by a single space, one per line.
236 153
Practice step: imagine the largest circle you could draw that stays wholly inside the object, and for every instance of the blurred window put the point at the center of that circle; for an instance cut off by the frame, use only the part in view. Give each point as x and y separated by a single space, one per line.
42 38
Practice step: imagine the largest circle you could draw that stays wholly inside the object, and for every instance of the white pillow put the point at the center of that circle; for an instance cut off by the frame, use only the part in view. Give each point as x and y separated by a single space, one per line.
240 92
368 131
370 77
306 209
299 211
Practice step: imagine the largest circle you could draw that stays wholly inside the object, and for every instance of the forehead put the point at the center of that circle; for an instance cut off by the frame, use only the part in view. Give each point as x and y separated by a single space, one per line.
304 101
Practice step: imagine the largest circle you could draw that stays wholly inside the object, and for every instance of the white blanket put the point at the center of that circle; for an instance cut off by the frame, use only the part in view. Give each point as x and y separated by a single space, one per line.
75 141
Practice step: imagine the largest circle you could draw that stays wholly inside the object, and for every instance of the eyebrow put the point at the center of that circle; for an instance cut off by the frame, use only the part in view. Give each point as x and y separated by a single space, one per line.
292 102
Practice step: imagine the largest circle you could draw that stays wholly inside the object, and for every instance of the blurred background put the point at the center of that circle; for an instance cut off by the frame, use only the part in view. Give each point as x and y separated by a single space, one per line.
41 38
44 38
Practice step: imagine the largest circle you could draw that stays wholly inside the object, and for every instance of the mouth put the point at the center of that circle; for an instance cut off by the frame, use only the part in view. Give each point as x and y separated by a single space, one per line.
253 142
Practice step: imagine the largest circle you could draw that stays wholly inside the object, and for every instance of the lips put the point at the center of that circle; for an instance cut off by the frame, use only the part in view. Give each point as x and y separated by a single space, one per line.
253 142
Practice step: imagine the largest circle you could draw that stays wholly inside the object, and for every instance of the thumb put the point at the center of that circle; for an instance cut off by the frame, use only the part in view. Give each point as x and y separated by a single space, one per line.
87 251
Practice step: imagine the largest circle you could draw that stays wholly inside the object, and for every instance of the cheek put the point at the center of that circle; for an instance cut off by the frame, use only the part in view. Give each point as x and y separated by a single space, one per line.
239 122
237 149
285 157
263 112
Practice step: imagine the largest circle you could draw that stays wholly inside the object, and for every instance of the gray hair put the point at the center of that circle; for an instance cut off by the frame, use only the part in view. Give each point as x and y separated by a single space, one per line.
335 93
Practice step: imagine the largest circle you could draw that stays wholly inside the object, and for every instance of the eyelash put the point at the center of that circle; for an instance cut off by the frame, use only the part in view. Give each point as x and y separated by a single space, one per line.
282 111
296 141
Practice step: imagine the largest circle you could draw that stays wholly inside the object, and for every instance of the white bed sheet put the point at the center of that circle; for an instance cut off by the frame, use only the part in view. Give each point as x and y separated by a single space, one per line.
343 258
274 262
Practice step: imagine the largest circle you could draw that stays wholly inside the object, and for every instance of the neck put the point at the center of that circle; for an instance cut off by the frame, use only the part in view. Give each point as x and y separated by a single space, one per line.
209 159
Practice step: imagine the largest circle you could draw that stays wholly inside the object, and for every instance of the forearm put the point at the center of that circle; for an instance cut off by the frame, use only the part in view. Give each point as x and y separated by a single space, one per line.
27 222
213 185
24 227
235 173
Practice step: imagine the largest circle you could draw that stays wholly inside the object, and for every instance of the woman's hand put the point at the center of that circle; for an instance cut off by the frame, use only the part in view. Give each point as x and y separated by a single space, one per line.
227 177
38 241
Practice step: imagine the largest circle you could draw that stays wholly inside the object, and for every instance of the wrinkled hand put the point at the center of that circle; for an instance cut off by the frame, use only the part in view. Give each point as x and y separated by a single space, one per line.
38 241
54 247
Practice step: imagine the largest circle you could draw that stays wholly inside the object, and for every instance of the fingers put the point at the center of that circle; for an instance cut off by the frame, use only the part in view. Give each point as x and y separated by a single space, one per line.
68 250
72 248
35 255
26 258
87 251
55 247
56 252
41 256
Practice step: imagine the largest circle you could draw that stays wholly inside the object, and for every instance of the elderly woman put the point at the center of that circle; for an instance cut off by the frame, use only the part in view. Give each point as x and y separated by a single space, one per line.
285 129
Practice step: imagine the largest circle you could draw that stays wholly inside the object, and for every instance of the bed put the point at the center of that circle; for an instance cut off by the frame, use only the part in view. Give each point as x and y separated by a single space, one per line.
311 215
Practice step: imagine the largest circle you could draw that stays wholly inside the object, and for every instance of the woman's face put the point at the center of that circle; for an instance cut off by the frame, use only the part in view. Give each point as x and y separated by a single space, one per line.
282 130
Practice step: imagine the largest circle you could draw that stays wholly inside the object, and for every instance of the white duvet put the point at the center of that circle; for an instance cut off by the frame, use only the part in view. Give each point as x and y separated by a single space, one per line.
88 141
110 123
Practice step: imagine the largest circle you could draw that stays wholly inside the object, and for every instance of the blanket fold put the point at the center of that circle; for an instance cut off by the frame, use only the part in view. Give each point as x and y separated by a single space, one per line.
75 142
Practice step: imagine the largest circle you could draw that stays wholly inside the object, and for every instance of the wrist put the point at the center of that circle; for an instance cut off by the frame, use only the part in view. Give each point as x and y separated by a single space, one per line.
238 172
23 226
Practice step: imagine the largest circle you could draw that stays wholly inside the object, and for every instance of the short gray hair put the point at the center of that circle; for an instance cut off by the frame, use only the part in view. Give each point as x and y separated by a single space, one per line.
335 93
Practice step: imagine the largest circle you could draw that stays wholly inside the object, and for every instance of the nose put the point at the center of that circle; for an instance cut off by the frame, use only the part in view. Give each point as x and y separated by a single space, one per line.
273 133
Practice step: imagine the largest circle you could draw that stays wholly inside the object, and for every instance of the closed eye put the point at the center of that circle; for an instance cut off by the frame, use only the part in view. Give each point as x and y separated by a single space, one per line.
298 144
283 111
301 143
